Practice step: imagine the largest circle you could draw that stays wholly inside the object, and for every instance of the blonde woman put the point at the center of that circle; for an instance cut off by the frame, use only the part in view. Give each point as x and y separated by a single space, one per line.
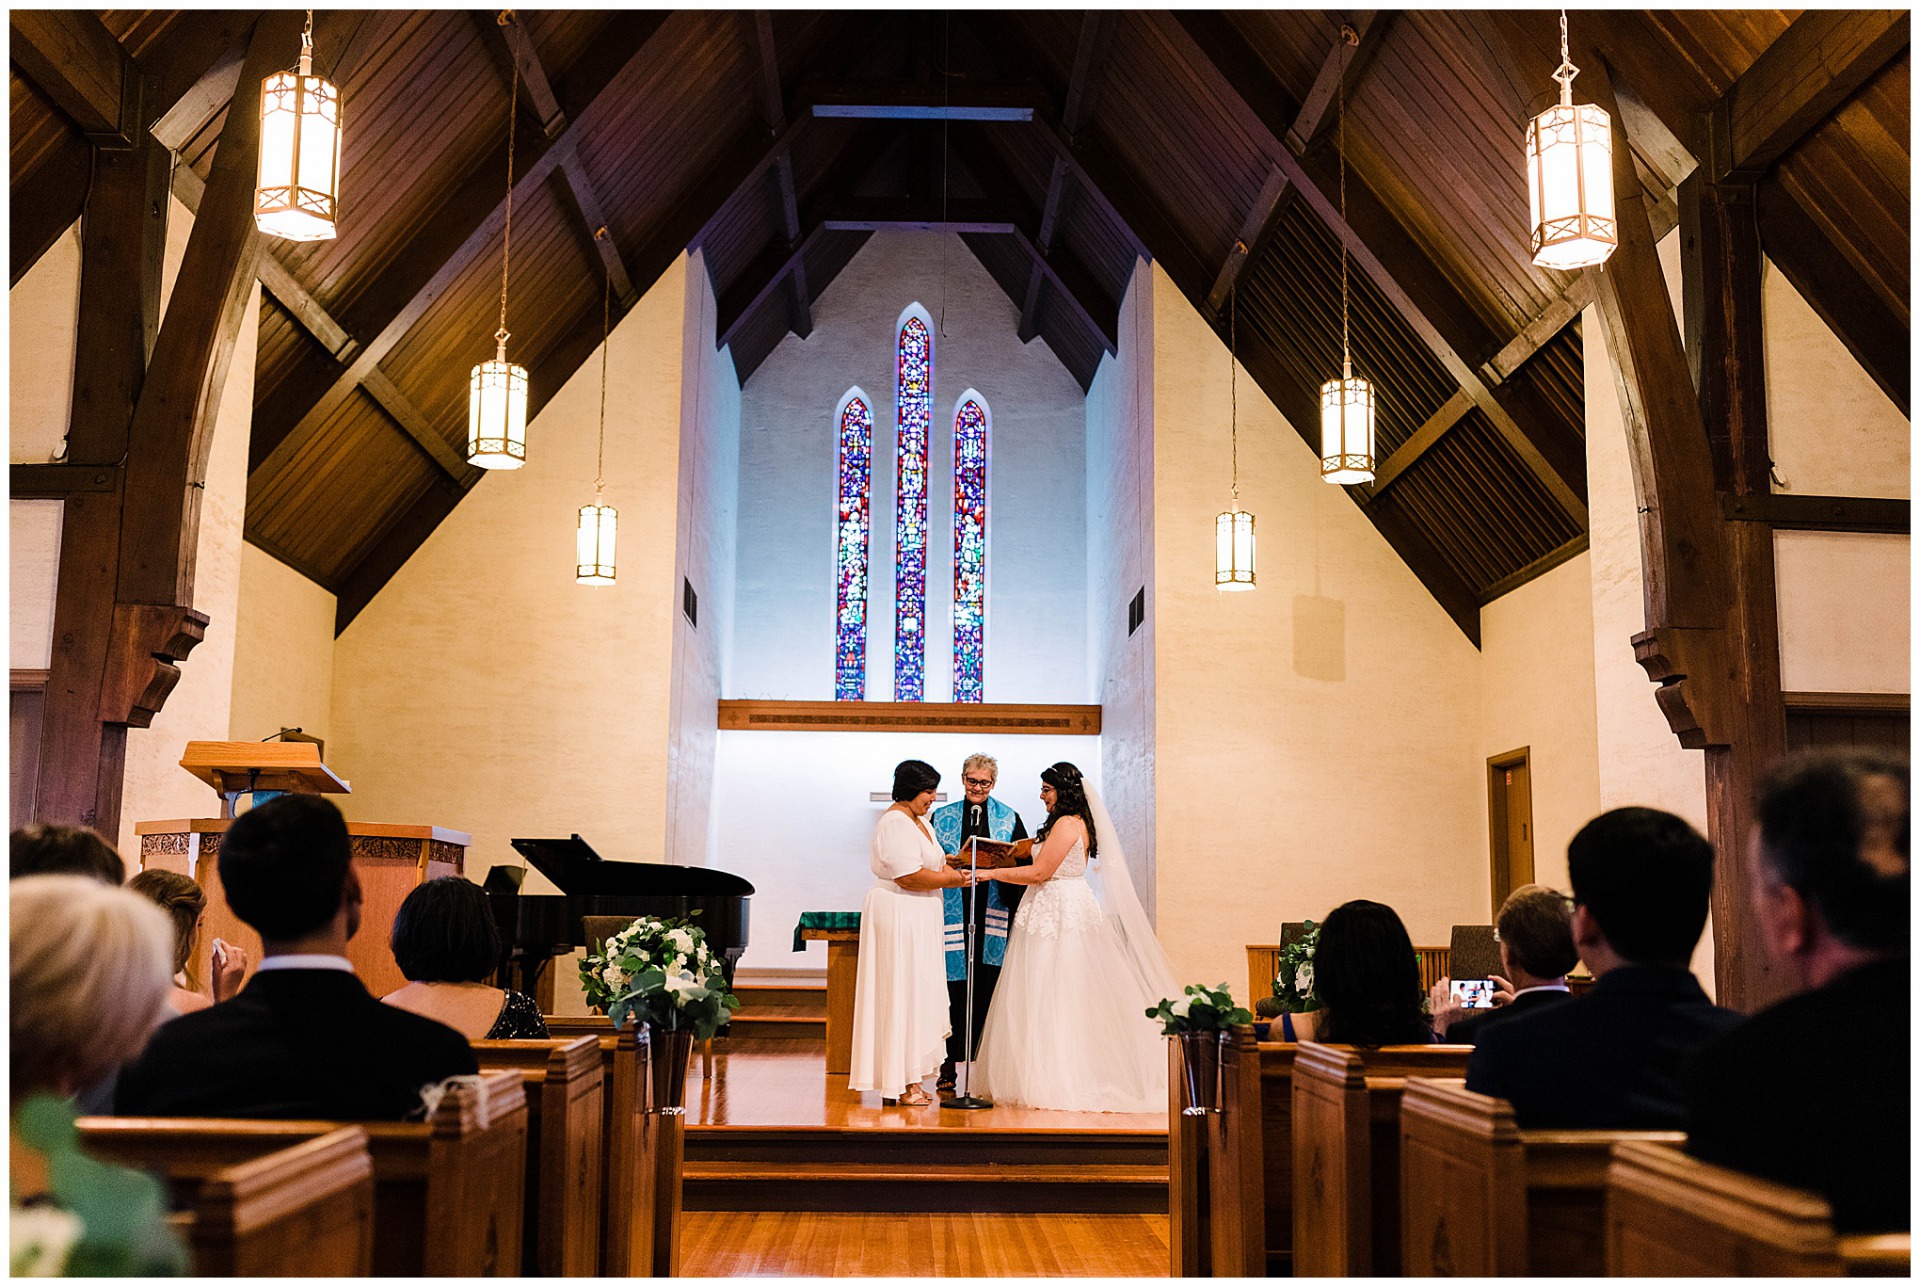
185 904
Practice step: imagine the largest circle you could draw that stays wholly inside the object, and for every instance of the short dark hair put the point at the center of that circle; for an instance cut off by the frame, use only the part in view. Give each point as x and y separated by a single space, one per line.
49 849
444 933
284 865
1367 976
911 777
1819 819
1646 877
1536 927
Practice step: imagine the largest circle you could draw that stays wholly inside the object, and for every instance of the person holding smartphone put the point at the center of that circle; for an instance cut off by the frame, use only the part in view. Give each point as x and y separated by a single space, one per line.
1535 934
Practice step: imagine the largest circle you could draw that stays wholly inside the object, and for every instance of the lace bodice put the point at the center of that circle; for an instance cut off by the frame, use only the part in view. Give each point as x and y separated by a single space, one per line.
1062 904
1074 864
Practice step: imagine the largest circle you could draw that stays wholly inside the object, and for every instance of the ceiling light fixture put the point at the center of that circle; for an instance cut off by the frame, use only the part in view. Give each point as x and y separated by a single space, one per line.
599 522
1570 177
298 193
1346 404
497 396
1233 529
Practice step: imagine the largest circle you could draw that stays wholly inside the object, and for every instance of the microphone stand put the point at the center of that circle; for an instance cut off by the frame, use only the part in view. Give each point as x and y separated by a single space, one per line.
966 1098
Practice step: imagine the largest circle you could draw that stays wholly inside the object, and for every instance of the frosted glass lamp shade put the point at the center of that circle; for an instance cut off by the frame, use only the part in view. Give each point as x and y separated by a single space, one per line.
1346 430
1570 186
598 527
298 194
1233 550
497 415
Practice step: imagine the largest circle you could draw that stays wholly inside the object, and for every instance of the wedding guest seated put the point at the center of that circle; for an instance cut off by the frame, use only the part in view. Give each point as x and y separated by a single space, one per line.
185 904
1535 932
46 849
1828 872
1613 1059
447 945
1367 977
88 985
303 1038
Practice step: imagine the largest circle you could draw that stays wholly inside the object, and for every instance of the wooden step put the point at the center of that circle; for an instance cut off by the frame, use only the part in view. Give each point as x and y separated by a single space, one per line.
918 1148
892 1186
786 999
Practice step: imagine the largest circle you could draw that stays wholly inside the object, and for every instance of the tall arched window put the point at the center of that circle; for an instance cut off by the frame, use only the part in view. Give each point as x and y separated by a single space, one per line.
913 415
972 426
852 536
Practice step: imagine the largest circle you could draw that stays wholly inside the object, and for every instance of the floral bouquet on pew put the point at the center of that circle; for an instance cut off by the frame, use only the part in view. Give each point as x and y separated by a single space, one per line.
1199 1009
1293 983
660 972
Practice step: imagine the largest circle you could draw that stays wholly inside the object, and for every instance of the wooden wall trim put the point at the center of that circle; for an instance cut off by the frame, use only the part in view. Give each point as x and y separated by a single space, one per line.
909 717
1788 512
1865 703
28 681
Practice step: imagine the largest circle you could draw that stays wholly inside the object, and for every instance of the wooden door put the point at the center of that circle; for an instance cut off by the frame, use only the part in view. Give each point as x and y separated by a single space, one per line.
1510 823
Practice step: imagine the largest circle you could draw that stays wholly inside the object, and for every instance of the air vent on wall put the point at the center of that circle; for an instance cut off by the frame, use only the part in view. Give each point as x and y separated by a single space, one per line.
690 603
1137 611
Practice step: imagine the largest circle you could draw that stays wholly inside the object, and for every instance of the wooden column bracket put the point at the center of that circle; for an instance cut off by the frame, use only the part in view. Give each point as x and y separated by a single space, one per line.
145 643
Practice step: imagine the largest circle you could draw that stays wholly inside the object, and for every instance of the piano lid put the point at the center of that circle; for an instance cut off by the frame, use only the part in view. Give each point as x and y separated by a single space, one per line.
577 869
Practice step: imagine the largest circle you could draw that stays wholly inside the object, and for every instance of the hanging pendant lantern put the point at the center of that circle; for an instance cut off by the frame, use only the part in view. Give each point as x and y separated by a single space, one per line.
1570 178
1346 404
298 193
497 392
595 543
1233 550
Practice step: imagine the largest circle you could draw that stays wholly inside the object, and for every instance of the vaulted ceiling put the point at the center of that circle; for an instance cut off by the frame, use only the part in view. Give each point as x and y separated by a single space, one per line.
1060 146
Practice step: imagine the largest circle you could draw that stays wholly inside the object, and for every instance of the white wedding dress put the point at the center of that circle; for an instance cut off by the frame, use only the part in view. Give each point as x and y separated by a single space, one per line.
1068 1027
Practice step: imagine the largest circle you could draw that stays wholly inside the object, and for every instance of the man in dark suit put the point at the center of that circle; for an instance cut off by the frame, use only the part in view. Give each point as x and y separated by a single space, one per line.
1535 933
1814 1091
1612 1059
303 1038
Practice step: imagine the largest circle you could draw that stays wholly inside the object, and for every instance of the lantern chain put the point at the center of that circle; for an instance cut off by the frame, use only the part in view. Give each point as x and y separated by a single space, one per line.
1233 385
1347 38
506 244
306 46
606 330
1566 71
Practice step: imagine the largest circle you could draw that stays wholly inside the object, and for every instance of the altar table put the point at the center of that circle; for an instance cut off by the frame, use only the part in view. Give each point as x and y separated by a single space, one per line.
840 931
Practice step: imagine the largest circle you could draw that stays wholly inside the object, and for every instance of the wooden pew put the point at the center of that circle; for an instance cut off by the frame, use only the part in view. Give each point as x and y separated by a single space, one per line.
1238 1162
631 1215
305 1210
566 1131
1675 1216
447 1194
1481 1198
1346 1153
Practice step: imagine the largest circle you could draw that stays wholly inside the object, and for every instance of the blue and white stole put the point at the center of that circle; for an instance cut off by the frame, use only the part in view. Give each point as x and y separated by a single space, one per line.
947 822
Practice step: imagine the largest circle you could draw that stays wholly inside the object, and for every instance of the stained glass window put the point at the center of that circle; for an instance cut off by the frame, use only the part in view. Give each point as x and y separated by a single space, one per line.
913 411
971 423
850 546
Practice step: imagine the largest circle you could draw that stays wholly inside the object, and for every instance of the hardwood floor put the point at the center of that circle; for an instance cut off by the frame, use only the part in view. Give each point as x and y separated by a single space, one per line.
921 1244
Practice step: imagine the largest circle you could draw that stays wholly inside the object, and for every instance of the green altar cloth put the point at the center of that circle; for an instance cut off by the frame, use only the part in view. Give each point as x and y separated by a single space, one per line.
823 920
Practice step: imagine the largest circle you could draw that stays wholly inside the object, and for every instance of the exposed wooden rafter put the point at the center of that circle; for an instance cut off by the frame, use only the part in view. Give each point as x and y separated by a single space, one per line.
786 196
76 62
1083 89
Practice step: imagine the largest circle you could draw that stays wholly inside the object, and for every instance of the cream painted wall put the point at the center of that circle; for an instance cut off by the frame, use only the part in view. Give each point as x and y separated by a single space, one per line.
708 503
43 323
1537 691
1831 430
483 689
1120 525
283 651
33 575
1318 739
1846 611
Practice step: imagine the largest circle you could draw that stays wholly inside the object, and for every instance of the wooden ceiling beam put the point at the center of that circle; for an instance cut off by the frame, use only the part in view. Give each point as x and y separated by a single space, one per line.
74 60
1417 445
1083 90
913 100
196 61
773 110
1551 462
45 203
1814 66
451 244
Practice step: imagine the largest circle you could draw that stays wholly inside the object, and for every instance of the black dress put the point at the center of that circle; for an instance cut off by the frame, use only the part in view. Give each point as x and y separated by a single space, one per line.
519 1020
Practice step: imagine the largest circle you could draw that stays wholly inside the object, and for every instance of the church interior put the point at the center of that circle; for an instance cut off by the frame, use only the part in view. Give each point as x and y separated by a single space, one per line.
650 428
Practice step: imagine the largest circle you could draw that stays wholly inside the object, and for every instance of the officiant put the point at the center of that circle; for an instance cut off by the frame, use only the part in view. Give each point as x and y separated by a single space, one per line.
977 814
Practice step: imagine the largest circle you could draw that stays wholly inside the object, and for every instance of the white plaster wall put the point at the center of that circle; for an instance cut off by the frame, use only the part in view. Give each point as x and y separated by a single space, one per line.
33 576
794 816
483 689
1120 530
1845 611
1831 431
43 324
1036 573
708 501
1537 691
1318 739
283 651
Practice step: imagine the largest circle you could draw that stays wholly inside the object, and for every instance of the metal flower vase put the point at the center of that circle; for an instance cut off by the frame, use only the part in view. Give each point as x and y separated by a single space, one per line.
669 1049
1200 1057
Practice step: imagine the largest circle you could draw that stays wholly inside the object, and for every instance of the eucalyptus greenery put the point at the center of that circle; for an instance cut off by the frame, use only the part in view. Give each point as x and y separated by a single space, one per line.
1199 1009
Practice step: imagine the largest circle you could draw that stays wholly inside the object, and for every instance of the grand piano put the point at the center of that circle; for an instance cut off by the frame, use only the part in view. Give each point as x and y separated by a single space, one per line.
539 927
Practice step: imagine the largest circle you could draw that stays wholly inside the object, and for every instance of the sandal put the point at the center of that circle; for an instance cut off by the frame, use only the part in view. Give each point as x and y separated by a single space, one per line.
912 1097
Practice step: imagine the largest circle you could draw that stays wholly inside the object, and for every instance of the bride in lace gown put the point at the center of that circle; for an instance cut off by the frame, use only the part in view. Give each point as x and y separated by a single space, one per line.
1068 1027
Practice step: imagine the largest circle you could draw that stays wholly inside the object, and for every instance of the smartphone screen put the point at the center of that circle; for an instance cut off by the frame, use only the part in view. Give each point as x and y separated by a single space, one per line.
1474 994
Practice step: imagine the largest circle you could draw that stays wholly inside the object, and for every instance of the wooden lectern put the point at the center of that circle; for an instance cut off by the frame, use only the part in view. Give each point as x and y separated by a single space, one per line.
389 859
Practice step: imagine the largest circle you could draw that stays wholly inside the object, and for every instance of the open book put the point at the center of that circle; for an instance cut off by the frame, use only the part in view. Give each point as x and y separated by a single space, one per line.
991 853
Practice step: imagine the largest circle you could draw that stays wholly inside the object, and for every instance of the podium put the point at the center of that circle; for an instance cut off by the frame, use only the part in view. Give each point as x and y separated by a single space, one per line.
390 859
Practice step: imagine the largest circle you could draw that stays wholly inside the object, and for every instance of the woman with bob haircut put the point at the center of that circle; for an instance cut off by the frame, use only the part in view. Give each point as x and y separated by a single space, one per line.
446 943
900 1021
185 904
1367 977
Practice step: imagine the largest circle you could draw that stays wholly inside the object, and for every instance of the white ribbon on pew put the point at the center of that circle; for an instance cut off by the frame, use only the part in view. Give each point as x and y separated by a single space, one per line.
433 1093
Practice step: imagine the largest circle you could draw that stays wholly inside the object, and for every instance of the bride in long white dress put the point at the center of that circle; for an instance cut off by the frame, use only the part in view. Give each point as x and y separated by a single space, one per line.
1068 1027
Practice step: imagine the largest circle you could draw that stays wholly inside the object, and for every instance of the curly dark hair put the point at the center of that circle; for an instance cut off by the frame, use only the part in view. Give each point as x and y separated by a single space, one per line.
1366 974
1069 801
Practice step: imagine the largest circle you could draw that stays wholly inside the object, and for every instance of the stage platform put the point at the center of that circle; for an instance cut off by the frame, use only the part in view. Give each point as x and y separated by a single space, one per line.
771 1131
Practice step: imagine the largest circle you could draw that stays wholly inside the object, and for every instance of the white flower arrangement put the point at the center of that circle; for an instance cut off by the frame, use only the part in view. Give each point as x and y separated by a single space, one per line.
660 972
40 1239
